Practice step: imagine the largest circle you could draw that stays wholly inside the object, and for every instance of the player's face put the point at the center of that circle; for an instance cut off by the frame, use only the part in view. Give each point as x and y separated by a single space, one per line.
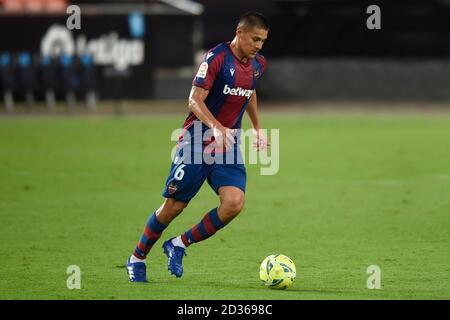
251 40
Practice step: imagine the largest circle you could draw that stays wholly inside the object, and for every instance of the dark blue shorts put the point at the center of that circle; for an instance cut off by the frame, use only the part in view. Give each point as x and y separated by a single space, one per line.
186 178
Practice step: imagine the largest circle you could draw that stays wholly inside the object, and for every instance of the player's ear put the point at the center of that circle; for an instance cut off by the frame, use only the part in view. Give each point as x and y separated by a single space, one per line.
240 30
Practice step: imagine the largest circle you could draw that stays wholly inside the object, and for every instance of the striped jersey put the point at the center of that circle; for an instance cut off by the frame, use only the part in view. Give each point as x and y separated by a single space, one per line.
230 83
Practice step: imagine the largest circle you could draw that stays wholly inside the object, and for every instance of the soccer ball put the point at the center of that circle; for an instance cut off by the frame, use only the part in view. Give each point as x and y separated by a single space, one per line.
277 271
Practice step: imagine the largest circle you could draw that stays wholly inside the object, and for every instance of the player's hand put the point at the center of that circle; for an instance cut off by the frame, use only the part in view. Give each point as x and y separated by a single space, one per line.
261 142
224 136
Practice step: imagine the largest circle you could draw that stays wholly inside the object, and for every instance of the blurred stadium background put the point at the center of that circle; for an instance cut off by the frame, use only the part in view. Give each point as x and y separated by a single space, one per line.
319 50
354 188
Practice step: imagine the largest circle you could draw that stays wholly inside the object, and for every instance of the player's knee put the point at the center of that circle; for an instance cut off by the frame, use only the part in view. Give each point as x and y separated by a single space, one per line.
234 204
172 208
177 207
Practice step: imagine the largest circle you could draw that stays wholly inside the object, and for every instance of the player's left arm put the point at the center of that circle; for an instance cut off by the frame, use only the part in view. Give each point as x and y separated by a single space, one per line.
261 141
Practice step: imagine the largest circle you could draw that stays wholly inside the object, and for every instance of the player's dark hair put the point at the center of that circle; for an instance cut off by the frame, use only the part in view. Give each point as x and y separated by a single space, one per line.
254 19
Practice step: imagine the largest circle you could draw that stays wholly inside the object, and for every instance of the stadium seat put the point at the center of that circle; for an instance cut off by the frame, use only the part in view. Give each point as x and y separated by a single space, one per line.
56 5
13 5
33 6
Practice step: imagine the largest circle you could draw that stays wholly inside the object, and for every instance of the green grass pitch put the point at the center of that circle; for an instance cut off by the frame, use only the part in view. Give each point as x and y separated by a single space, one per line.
352 191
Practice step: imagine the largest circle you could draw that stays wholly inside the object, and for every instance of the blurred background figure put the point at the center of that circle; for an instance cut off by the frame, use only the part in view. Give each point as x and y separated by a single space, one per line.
319 50
69 80
8 81
88 81
27 78
49 81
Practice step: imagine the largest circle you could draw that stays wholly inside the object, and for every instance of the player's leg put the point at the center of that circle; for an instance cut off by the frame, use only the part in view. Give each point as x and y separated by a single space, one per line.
183 183
231 203
156 224
229 183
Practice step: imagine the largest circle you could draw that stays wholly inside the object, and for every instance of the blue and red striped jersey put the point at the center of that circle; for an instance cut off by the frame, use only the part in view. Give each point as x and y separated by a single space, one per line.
230 83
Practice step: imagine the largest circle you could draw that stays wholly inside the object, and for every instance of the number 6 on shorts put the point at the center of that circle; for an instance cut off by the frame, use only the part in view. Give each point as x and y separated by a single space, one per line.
179 173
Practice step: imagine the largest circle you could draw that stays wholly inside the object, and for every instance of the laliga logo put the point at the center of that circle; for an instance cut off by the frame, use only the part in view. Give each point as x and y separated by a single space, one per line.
107 50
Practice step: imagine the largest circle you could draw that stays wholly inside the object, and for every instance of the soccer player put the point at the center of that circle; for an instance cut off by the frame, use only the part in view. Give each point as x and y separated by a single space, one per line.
223 88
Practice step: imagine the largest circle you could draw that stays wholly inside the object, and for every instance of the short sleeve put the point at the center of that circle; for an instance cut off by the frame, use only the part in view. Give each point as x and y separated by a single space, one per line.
262 62
208 70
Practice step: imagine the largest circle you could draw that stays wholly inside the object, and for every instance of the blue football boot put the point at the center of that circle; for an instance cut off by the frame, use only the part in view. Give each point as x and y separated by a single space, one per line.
137 271
175 256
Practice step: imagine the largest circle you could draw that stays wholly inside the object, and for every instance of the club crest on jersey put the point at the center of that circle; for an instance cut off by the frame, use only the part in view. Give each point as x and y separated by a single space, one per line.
172 188
202 70
237 91
256 73
232 71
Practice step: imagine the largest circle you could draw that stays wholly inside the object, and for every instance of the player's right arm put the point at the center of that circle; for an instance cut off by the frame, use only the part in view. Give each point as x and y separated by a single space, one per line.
198 107
222 135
